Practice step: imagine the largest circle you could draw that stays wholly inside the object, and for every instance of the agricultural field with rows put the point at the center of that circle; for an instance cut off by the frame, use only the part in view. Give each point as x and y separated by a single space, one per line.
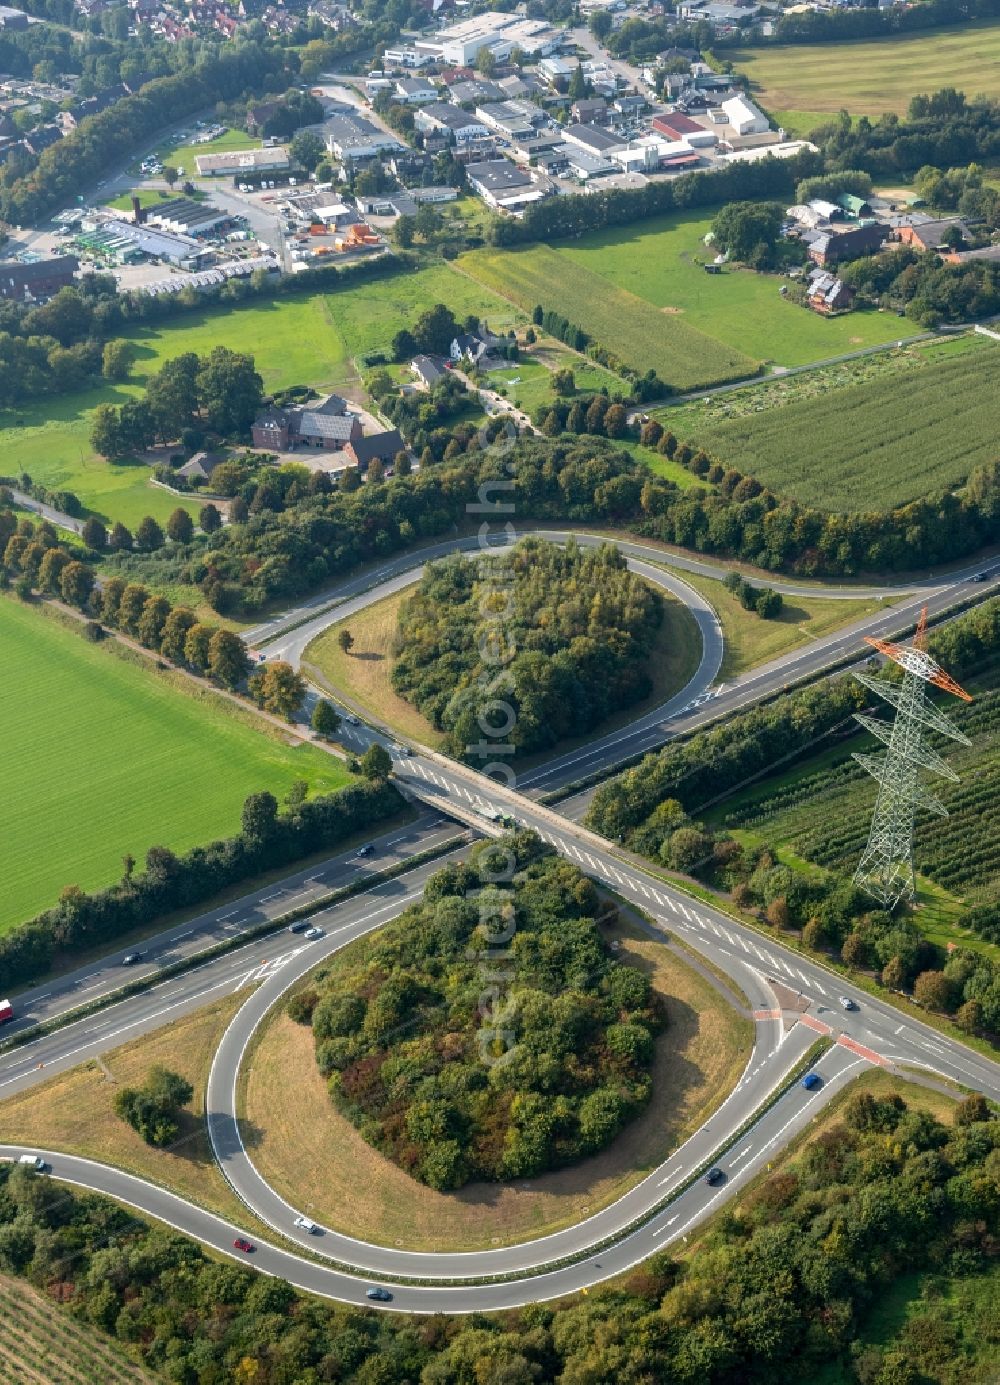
642 336
873 445
39 1346
821 810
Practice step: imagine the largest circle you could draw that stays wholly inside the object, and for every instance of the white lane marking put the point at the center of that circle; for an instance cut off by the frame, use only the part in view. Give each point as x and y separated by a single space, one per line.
742 1155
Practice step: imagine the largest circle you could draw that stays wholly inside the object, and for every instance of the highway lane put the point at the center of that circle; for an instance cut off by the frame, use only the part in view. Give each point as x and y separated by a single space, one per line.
752 1154
775 1053
701 701
187 940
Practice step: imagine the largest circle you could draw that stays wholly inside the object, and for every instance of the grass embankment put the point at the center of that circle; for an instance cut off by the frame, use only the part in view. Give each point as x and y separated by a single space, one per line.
74 1113
105 756
364 676
316 1158
625 323
41 1347
871 76
751 641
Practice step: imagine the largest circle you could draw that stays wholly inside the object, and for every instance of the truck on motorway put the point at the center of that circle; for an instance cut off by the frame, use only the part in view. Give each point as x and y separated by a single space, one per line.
6 1011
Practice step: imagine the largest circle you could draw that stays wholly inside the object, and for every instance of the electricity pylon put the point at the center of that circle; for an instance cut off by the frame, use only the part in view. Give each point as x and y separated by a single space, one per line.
886 868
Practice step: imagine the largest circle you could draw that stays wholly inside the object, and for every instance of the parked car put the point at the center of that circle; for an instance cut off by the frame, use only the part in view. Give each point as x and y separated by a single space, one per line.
298 927
847 1003
713 1177
247 1247
811 1081
130 959
379 1294
313 933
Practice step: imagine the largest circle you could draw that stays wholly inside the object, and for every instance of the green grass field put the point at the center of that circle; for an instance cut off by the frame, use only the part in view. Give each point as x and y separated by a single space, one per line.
308 339
182 156
660 261
870 77
104 757
642 335
877 444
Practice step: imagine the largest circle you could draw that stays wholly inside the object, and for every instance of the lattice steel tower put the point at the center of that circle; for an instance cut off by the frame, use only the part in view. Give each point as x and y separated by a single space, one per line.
886 868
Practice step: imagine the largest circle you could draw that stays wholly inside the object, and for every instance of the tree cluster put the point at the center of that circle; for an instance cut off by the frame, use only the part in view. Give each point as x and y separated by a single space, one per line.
410 1059
783 1287
188 397
764 600
931 291
153 1110
573 641
33 559
750 232
559 218
269 840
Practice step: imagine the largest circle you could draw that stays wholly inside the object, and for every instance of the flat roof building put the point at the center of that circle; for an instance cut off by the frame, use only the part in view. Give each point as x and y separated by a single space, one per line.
501 33
351 137
242 161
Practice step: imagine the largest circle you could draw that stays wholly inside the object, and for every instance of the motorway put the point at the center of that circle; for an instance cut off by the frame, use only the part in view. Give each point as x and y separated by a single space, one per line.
794 999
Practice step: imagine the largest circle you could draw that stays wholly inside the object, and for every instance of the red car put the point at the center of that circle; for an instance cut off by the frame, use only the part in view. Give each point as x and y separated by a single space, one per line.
246 1246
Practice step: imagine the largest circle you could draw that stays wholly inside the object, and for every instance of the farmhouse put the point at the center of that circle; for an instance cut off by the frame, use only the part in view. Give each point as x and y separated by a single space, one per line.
929 235
836 244
326 425
827 294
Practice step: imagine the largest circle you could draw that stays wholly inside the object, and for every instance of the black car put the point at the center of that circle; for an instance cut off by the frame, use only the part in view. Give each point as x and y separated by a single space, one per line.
379 1295
980 577
368 850
714 1176
299 927
130 959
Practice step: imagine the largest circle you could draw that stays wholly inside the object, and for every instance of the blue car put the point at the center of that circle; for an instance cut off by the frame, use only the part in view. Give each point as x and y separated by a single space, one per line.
811 1081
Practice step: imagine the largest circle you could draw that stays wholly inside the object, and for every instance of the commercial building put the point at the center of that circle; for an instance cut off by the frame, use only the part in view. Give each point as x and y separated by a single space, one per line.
353 137
119 242
501 33
185 216
675 125
243 161
744 117
513 120
504 186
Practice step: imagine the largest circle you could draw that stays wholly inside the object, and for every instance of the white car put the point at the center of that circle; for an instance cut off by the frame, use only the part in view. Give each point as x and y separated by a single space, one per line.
306 1225
313 933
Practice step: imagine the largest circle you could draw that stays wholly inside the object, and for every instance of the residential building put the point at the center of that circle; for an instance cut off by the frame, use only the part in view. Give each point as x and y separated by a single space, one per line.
827 294
384 446
459 125
414 91
591 110
427 371
353 137
39 279
201 465
326 425
513 120
839 243
12 20
405 57
931 234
